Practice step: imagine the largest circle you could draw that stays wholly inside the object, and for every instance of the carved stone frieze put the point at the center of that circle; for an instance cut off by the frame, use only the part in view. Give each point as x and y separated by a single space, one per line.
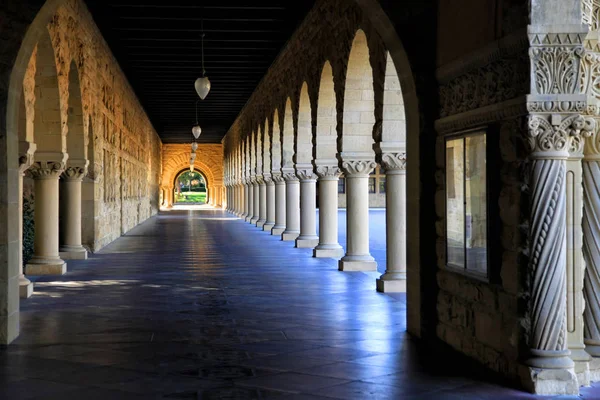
590 10
394 161
358 167
555 69
325 172
46 169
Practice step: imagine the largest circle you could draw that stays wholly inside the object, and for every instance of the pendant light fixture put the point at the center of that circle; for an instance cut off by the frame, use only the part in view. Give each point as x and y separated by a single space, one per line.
194 147
202 85
196 130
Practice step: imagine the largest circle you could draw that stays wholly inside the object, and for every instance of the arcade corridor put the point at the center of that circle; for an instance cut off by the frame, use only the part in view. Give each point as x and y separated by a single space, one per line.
185 306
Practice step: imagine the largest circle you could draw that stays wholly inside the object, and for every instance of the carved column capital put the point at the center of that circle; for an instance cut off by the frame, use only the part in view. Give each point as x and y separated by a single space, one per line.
306 175
394 161
278 178
358 167
46 169
290 177
74 173
25 161
328 172
268 179
259 180
555 136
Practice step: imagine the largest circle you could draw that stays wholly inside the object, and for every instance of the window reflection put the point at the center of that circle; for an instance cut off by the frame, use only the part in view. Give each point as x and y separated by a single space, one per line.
476 204
455 224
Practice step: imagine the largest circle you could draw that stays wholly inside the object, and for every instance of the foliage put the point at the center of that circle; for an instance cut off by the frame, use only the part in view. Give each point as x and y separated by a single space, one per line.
28 227
193 197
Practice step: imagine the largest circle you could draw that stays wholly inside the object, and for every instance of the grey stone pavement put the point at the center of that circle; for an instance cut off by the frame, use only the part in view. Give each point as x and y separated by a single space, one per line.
200 305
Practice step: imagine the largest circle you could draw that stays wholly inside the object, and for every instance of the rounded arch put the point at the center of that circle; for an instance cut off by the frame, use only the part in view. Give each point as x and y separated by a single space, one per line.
276 144
394 119
358 117
287 137
48 132
181 162
76 138
326 133
259 150
181 172
304 142
266 148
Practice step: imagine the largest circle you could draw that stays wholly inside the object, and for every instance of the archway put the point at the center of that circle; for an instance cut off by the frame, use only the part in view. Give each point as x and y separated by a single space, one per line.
190 188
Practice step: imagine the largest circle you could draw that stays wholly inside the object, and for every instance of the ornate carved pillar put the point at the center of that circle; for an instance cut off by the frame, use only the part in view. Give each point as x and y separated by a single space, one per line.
262 206
70 211
46 259
308 209
25 161
358 257
394 278
328 246
292 202
270 203
280 208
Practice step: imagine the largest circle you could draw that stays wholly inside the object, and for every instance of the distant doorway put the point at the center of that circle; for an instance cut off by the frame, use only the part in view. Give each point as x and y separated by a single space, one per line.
190 188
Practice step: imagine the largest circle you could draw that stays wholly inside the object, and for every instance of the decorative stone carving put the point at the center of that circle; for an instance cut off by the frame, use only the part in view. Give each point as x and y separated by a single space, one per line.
278 178
290 177
306 175
358 167
74 173
556 69
563 137
327 172
46 169
25 162
591 13
394 161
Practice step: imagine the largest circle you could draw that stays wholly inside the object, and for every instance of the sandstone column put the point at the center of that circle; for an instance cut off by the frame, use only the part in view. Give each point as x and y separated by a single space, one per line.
270 204
246 200
46 259
25 285
358 257
328 213
250 203
262 207
292 211
70 211
394 279
280 208
308 209
256 202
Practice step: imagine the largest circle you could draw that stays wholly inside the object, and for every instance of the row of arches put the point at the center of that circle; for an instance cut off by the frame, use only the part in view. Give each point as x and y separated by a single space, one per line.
324 131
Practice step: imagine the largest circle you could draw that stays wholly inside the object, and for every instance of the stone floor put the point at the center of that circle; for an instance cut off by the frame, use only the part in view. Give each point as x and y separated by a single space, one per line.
199 305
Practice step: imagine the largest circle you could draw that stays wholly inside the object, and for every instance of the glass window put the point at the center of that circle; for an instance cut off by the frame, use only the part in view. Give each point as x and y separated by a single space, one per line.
374 172
341 185
371 185
382 184
466 203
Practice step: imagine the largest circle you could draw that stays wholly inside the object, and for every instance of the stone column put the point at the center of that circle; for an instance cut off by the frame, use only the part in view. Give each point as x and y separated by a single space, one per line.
256 202
46 260
394 278
308 209
170 196
358 257
247 196
250 216
550 139
268 226
292 210
262 207
328 246
280 209
591 251
25 285
240 201
70 211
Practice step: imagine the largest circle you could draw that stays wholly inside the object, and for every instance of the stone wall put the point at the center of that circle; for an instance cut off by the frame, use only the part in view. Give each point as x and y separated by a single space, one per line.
124 151
209 162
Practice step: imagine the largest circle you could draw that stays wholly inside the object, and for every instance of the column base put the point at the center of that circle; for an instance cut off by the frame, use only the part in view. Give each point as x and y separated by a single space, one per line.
391 286
289 236
277 230
73 253
247 218
307 242
356 265
594 368
328 251
254 220
260 223
25 288
268 226
548 382
582 366
53 268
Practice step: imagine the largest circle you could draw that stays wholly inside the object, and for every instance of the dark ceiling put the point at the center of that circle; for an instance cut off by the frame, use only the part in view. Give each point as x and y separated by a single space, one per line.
158 45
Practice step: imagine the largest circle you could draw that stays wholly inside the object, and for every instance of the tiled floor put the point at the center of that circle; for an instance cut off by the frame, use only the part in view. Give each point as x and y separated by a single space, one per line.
199 305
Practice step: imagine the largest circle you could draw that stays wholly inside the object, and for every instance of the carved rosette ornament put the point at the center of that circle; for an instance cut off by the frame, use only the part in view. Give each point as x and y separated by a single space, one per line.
306 175
394 161
359 168
551 139
74 173
46 169
328 173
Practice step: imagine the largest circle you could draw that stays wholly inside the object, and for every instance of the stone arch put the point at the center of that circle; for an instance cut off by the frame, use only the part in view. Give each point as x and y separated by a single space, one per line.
266 148
181 171
76 138
48 130
326 133
88 206
303 145
394 118
287 137
358 112
276 144
258 149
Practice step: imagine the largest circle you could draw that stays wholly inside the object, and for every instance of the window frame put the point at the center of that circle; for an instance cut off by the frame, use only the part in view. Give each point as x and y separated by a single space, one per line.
374 180
342 183
489 250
